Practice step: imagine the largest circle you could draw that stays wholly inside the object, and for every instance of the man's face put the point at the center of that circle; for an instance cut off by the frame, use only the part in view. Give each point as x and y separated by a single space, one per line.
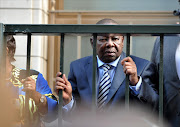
109 47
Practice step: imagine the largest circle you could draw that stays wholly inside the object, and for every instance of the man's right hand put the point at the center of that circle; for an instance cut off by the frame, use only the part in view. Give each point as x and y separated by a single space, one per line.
64 85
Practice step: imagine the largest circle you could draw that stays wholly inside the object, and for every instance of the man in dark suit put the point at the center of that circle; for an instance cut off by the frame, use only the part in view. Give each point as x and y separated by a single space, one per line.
170 77
109 52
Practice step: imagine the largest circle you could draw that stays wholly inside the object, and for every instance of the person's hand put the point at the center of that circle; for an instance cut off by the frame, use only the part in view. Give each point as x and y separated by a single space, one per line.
29 84
64 85
129 68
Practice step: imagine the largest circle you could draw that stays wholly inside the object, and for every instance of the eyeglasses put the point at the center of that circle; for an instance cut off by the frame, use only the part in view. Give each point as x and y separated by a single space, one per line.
114 39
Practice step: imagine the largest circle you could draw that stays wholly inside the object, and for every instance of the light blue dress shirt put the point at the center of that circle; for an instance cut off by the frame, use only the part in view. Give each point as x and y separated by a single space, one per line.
113 64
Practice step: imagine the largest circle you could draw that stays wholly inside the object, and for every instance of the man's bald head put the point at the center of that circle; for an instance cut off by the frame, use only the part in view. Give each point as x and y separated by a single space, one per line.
107 21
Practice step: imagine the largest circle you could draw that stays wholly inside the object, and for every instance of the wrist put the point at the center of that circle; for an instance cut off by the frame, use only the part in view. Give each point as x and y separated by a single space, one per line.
67 101
42 99
134 81
34 95
42 105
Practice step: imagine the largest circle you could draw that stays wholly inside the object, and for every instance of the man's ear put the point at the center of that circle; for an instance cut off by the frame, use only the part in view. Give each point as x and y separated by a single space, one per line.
123 38
122 41
91 41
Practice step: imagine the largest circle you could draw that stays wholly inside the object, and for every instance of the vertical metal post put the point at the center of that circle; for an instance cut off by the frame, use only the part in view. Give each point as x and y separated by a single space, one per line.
60 105
127 76
161 78
28 54
2 55
27 113
94 73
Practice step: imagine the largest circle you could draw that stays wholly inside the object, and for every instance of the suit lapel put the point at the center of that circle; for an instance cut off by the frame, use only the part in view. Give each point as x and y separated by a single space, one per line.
89 71
117 80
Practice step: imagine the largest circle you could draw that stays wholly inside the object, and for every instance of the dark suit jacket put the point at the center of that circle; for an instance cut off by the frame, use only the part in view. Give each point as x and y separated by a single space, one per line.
171 81
80 77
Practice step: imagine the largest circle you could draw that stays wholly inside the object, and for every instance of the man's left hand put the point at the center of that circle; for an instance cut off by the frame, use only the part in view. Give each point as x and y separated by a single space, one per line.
129 68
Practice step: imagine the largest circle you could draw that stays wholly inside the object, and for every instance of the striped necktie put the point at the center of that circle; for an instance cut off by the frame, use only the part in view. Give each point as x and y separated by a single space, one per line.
104 87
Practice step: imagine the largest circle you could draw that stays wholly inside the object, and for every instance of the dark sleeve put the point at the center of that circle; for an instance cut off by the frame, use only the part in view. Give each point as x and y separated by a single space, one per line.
150 80
149 87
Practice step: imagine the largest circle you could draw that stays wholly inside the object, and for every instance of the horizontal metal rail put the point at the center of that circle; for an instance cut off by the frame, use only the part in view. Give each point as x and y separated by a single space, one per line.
87 29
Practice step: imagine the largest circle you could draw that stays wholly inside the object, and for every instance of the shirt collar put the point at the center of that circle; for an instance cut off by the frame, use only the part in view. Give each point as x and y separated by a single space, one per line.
114 63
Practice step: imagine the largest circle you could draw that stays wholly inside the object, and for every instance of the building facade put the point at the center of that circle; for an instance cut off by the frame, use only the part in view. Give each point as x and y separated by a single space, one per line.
45 52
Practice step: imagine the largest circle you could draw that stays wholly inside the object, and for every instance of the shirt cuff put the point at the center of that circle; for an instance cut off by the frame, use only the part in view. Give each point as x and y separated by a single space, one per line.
137 88
69 106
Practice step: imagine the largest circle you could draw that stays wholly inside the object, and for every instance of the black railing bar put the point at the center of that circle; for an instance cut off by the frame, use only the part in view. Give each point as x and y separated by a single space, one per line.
68 28
161 78
28 54
94 94
127 76
90 34
2 55
60 104
27 113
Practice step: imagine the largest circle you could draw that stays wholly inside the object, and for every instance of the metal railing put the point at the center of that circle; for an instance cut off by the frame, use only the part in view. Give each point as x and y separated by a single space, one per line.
62 30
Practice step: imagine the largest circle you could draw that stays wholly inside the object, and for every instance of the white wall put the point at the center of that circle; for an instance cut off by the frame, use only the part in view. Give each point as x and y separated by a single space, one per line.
27 12
122 5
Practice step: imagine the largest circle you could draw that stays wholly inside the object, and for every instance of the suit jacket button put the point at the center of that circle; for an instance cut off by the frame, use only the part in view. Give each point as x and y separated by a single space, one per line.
143 99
